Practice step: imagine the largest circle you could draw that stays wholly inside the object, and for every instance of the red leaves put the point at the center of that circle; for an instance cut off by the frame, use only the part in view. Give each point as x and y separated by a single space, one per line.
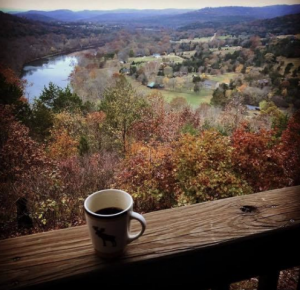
193 169
19 154
147 173
11 78
204 168
63 146
290 148
266 162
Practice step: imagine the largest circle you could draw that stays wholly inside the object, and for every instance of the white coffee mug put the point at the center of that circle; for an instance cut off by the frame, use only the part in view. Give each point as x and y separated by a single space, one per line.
108 214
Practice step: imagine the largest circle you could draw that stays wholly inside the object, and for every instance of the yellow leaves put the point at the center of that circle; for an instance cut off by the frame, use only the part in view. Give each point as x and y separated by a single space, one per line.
136 148
239 68
93 73
192 169
204 168
70 128
71 124
204 76
284 92
249 69
95 117
228 93
63 146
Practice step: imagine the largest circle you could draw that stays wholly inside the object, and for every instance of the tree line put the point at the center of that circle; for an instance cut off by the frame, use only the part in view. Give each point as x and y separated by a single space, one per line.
62 149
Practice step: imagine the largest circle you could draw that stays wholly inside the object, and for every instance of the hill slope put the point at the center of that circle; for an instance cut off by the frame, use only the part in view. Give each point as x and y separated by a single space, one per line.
288 24
230 14
167 17
99 15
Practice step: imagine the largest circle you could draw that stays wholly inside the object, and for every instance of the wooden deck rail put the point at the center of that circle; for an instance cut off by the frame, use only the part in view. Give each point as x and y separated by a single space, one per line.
208 245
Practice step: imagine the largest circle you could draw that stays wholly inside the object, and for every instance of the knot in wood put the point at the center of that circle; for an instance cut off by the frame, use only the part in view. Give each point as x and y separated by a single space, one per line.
248 208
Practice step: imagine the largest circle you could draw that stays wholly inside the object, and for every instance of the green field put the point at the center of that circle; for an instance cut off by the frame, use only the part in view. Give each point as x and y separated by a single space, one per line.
143 59
204 39
201 39
226 37
171 57
224 50
193 99
189 54
225 78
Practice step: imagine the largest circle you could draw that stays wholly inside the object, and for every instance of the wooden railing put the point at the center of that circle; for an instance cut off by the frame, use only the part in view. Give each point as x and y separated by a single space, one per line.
208 245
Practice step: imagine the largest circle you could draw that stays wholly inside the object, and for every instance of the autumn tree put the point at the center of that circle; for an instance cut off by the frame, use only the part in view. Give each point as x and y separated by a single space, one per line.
219 96
279 119
12 93
290 148
122 107
94 135
11 87
25 168
257 160
147 173
157 123
204 168
63 145
255 42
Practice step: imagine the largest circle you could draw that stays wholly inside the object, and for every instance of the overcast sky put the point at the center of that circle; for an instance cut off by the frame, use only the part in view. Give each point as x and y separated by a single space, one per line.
131 4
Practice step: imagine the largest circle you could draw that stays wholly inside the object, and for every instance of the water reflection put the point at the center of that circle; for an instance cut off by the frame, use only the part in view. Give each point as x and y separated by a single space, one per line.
40 73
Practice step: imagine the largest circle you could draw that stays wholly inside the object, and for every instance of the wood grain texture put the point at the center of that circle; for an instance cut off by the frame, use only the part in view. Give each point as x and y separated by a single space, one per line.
212 238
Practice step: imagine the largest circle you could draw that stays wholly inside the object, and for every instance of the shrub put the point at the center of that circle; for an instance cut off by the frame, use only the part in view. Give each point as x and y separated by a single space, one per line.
204 170
258 160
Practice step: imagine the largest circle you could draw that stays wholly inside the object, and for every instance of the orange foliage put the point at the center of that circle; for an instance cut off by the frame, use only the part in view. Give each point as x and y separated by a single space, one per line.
239 68
146 173
193 169
157 123
63 145
95 117
116 75
19 154
204 169
24 169
258 160
242 88
11 78
290 148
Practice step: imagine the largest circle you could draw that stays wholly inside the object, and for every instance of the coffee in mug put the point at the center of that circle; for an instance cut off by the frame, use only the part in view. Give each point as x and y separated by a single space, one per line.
108 214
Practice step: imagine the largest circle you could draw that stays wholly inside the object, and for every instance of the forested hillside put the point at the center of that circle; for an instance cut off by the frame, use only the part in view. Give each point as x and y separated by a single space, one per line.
174 117
41 39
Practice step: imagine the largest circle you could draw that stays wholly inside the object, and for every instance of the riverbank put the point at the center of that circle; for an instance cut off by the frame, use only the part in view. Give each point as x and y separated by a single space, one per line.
55 69
60 53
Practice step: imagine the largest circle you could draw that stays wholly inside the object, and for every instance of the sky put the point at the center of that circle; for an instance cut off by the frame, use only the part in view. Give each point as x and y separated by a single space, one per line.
130 4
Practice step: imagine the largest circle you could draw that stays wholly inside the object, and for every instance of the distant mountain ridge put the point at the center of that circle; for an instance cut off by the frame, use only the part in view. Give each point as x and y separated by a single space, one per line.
231 13
165 17
39 17
89 15
283 25
256 12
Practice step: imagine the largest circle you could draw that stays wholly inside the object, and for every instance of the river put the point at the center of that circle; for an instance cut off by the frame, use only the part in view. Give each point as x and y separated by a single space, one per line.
40 73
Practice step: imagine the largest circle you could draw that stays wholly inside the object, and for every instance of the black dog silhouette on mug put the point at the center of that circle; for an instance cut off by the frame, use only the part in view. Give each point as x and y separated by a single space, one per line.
105 238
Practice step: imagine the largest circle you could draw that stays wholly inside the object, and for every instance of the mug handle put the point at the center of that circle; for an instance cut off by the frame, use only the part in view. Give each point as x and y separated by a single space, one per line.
141 219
